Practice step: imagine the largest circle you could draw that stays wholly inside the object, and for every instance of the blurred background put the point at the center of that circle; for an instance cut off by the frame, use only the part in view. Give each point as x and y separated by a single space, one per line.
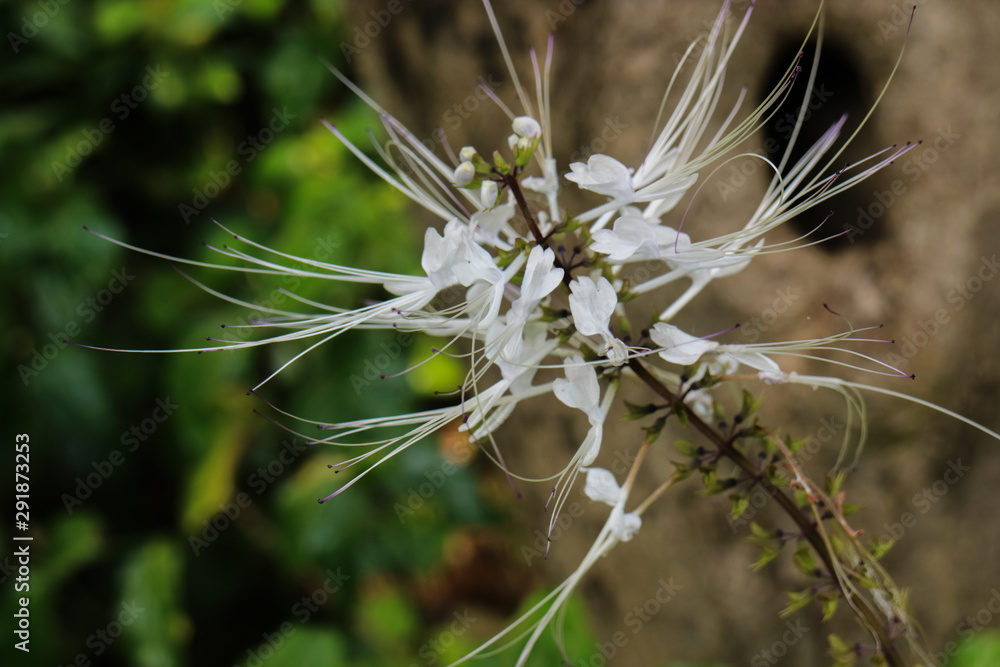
171 524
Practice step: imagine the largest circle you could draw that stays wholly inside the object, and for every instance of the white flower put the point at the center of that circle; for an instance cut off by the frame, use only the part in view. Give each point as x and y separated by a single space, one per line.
602 486
635 238
540 278
442 253
679 347
624 525
741 355
605 176
593 304
580 389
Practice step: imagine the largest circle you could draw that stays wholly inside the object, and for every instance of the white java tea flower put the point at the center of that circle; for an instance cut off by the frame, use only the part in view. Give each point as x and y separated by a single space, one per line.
534 318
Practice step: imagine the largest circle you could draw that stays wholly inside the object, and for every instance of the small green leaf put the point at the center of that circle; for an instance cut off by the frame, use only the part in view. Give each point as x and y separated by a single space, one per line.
686 447
880 548
653 432
804 560
740 504
759 533
833 484
796 600
829 607
639 411
847 509
768 553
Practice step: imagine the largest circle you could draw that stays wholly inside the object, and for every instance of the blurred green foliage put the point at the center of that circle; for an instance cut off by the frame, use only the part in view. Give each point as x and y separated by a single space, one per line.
171 525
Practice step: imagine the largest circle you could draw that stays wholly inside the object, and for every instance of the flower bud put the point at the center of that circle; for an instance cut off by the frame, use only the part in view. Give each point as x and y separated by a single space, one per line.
488 194
464 174
526 126
467 154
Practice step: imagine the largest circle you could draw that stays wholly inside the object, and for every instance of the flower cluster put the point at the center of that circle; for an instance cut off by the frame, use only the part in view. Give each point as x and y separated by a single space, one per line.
534 295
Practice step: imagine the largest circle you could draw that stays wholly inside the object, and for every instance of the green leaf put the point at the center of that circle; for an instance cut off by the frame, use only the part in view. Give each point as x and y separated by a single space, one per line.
833 484
841 652
796 600
880 548
829 607
741 502
759 533
847 509
686 447
749 406
804 560
653 432
768 553
638 411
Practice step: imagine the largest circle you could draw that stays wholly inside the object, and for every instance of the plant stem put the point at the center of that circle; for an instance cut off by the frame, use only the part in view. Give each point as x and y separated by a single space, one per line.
806 525
510 180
